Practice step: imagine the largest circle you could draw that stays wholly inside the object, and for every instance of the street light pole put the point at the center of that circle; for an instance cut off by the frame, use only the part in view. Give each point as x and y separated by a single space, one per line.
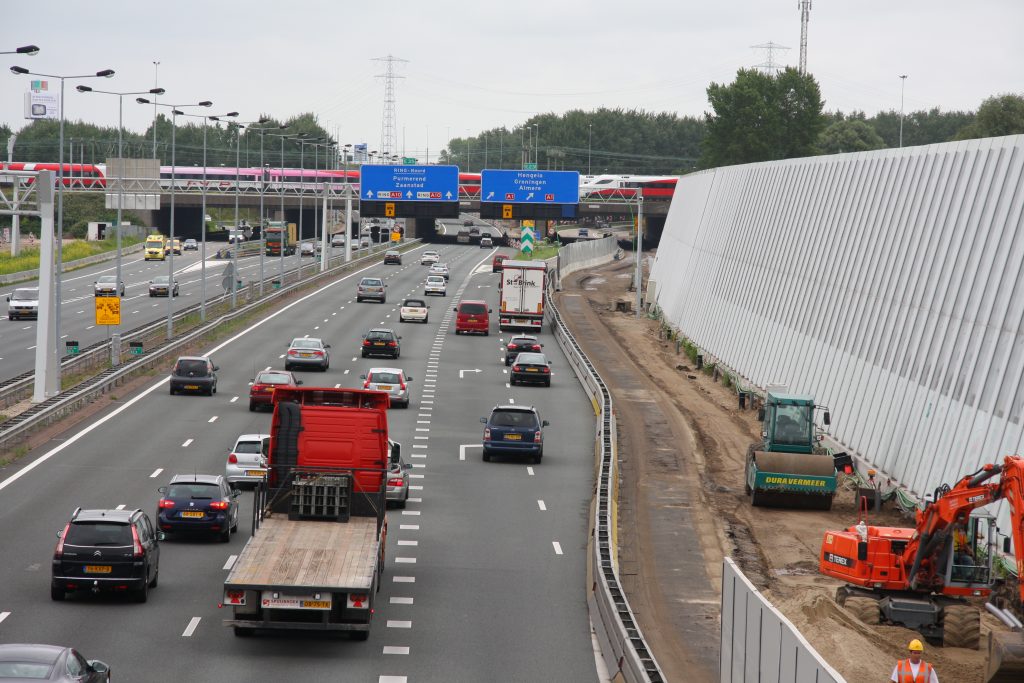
590 144
234 252
202 257
115 341
170 262
903 85
106 73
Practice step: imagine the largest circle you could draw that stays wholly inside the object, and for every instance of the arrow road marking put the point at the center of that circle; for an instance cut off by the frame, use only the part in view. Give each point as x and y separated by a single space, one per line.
462 372
463 447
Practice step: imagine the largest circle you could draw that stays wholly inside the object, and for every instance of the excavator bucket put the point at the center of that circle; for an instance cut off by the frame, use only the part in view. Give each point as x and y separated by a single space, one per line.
804 481
1005 657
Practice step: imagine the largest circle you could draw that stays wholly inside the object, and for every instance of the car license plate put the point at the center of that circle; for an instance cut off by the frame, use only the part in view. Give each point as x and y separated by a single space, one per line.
98 569
255 473
316 604
513 437
306 355
378 343
531 369
384 387
192 387
193 514
280 601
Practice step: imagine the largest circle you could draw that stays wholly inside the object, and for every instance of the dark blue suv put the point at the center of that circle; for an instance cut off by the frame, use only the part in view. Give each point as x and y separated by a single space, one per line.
514 429
199 503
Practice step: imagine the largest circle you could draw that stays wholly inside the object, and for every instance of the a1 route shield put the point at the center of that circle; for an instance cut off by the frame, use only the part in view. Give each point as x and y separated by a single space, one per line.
378 182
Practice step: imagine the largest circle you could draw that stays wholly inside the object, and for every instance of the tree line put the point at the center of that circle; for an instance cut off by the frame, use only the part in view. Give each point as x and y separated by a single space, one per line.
758 117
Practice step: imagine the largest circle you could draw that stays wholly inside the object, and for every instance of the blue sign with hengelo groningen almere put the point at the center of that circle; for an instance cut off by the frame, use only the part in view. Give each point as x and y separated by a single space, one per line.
530 187
409 183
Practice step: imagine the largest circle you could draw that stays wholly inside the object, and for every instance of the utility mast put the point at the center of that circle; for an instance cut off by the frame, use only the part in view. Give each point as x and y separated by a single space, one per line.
769 66
805 17
387 124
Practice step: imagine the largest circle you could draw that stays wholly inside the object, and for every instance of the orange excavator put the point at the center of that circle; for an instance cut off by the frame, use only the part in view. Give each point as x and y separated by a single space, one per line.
920 578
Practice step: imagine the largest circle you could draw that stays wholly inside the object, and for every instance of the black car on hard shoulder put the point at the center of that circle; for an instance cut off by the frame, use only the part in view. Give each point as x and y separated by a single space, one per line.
195 374
112 551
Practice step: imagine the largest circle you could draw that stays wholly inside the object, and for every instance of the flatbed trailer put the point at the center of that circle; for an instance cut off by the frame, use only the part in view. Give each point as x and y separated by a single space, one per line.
305 574
316 554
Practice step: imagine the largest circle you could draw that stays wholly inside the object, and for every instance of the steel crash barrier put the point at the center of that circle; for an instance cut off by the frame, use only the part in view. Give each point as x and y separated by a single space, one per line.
623 647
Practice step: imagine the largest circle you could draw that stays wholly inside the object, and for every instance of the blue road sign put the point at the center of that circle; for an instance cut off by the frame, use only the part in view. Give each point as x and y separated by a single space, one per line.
530 187
378 182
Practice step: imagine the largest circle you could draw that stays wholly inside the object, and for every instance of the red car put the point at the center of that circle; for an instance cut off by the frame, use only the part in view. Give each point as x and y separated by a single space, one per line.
496 263
261 393
472 316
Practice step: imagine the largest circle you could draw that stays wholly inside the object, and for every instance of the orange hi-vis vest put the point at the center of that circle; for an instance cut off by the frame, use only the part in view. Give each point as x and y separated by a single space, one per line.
906 674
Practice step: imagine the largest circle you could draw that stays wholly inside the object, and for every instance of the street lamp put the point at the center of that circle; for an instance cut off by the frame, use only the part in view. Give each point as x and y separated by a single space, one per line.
170 263
303 141
281 192
202 286
536 145
903 85
115 346
21 71
30 50
263 185
590 142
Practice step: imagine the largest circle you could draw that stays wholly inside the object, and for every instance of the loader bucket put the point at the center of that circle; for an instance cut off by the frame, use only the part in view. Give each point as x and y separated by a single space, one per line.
804 481
1005 657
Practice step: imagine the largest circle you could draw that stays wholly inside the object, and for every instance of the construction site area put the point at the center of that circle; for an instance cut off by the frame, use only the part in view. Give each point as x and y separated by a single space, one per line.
685 504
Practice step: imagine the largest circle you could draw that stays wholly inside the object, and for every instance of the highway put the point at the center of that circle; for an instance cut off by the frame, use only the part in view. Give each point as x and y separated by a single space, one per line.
485 577
78 319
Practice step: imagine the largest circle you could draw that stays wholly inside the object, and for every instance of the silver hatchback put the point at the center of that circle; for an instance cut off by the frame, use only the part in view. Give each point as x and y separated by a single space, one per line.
394 381
247 461
372 288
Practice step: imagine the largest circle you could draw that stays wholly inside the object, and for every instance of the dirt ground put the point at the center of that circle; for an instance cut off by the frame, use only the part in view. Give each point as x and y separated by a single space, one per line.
777 549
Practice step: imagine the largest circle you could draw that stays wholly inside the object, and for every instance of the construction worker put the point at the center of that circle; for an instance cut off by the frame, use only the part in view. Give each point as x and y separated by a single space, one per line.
963 554
913 669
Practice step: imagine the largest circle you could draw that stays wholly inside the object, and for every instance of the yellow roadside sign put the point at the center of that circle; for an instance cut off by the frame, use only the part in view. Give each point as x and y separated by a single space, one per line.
396 236
389 209
506 211
108 310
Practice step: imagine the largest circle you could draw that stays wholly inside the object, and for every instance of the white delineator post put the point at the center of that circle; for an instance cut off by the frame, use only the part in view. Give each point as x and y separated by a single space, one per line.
47 378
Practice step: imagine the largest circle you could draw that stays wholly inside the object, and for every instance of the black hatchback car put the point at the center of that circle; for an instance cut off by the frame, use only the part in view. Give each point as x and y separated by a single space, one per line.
531 368
194 374
200 504
32 662
382 341
521 344
106 551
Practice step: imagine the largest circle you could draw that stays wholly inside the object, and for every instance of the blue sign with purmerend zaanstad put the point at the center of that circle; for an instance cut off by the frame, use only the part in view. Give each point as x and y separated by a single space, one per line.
530 187
378 182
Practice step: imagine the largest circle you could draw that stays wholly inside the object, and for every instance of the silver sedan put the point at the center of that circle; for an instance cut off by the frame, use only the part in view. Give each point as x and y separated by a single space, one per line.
307 352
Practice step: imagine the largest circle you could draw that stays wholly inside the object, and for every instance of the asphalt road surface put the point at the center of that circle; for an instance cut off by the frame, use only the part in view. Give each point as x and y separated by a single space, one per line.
78 317
486 569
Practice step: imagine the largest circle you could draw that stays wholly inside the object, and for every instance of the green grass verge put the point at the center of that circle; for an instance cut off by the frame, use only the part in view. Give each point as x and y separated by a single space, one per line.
540 253
29 257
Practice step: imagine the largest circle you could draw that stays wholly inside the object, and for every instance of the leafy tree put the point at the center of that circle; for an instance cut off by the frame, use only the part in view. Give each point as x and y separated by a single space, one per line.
853 135
761 117
919 127
1000 115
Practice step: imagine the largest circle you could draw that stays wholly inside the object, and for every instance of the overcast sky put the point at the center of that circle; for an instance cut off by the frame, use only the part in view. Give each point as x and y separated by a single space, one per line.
478 65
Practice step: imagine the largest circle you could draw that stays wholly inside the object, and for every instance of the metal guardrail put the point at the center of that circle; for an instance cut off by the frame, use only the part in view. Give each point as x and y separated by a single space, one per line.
67 401
622 644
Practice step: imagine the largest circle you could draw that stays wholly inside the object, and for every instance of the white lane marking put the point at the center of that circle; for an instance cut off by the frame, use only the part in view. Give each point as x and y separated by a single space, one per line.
233 399
420 445
394 623
405 560
4 615
347 371
90 327
191 628
212 419
281 356
557 546
529 470
156 473
409 527
511 400
403 579
231 561
507 385
392 679
353 359
413 487
120 507
401 601
423 422
463 447
187 442
541 505
412 543
419 455
421 437
411 513
427 402
423 429
395 649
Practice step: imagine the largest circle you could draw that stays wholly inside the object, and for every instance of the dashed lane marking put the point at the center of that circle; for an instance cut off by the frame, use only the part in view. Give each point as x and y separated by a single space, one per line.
541 505
191 628
156 473
231 562
187 442
557 546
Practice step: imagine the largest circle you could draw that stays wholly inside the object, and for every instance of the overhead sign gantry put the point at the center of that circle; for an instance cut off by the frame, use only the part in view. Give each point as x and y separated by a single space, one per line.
408 191
519 194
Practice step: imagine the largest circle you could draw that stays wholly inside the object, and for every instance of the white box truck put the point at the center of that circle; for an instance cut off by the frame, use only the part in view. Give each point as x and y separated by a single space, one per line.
522 295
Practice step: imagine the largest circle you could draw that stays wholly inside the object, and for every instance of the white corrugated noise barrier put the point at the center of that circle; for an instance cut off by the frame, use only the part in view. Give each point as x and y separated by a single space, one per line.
888 284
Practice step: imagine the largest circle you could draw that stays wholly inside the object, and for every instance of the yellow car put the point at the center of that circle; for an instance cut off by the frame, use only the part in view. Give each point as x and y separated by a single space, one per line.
156 248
